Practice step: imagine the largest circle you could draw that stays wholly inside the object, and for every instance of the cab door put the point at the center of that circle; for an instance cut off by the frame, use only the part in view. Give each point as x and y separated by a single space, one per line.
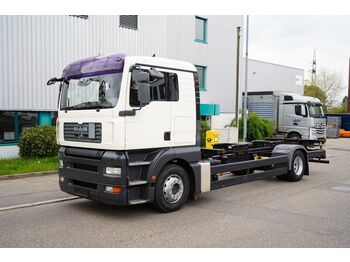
302 120
150 125
295 119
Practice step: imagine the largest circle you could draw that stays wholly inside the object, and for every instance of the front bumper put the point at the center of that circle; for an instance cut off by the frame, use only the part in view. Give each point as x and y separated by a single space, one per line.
83 174
318 134
95 194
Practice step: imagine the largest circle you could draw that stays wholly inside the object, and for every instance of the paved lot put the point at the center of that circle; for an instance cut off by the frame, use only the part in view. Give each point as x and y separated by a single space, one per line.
29 190
269 213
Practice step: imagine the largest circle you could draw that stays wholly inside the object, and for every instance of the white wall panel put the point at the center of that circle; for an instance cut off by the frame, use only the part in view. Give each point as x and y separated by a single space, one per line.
265 76
36 48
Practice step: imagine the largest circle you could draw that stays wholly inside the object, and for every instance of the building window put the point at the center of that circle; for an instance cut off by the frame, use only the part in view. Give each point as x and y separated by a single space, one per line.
201 29
12 124
81 16
201 71
27 120
128 21
7 127
54 117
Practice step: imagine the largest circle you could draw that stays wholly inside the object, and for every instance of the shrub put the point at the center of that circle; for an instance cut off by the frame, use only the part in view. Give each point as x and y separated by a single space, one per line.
257 127
39 141
204 128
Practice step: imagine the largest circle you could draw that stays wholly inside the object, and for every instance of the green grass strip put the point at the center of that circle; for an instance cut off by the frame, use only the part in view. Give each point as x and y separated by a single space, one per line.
27 165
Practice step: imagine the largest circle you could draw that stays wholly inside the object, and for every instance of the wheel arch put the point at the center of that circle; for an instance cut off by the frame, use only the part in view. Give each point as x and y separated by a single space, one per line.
289 150
294 131
185 157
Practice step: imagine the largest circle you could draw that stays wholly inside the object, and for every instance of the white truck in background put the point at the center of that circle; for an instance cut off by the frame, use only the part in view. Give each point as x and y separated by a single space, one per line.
293 115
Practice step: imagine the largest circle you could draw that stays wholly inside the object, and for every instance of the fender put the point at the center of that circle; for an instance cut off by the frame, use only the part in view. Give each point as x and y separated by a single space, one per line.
291 130
190 155
288 150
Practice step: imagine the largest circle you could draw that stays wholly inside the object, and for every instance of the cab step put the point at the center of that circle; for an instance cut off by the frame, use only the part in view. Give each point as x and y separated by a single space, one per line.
140 163
137 182
137 201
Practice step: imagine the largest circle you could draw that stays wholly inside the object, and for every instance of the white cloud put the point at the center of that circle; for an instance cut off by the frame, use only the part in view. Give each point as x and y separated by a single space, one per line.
291 40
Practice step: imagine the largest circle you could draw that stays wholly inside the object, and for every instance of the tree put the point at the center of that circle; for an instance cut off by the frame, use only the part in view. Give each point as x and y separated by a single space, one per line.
331 83
344 103
343 108
314 91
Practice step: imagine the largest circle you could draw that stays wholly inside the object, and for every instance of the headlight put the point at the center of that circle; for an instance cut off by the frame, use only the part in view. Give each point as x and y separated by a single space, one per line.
113 171
61 163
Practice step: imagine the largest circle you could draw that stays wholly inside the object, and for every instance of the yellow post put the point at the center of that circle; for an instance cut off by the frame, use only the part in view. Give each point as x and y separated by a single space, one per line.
211 137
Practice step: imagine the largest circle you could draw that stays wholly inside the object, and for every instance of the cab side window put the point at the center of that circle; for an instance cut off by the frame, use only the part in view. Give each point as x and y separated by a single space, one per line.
133 100
173 84
300 110
164 89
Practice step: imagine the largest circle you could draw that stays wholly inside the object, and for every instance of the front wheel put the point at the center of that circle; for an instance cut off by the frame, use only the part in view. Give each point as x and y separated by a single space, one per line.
172 188
294 135
299 167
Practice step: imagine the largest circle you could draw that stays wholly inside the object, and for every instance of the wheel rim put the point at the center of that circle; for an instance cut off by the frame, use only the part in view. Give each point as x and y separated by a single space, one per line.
173 189
298 165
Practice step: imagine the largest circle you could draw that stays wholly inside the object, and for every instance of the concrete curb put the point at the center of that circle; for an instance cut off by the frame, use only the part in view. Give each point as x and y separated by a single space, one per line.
25 175
39 203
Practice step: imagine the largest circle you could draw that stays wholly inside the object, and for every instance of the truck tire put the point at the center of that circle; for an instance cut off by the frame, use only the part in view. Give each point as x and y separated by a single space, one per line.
294 135
172 188
298 170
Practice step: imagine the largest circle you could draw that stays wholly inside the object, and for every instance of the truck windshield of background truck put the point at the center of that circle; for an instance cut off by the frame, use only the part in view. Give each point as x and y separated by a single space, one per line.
316 111
91 92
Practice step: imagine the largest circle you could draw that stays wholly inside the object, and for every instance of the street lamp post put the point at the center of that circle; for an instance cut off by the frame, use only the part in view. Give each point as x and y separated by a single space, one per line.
245 115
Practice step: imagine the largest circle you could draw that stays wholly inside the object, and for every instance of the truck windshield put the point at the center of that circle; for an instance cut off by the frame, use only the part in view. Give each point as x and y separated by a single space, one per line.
91 92
316 111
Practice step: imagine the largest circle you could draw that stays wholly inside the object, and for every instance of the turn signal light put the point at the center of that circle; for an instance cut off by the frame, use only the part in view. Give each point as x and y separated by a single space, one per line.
115 190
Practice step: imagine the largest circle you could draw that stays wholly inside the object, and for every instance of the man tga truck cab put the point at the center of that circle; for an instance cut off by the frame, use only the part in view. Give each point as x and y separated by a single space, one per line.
294 115
128 130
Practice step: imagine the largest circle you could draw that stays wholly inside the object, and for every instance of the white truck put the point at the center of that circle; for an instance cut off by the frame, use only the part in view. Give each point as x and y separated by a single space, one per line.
129 133
294 115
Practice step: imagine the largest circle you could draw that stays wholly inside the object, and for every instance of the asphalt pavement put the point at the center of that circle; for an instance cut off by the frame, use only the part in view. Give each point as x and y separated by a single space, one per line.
314 212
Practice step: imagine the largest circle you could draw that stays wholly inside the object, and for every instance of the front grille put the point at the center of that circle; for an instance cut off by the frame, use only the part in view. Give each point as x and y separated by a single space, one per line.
85 167
320 131
84 184
86 132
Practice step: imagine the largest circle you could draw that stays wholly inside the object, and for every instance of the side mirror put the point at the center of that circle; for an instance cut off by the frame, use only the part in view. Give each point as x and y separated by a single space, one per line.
155 74
140 76
141 79
144 94
53 81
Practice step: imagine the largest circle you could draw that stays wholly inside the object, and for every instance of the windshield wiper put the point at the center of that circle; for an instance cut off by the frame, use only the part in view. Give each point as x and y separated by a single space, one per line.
70 108
88 105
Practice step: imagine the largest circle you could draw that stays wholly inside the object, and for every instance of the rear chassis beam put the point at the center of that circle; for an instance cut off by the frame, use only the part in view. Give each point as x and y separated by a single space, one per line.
237 157
275 166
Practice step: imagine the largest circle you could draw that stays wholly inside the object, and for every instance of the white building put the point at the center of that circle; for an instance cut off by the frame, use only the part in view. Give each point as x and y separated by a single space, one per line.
264 76
36 48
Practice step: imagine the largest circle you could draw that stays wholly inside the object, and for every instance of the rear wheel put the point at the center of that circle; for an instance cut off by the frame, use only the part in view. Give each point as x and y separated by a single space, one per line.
299 166
172 188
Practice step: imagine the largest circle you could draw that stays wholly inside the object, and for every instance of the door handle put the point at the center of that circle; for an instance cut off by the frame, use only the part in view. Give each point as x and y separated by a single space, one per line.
167 135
